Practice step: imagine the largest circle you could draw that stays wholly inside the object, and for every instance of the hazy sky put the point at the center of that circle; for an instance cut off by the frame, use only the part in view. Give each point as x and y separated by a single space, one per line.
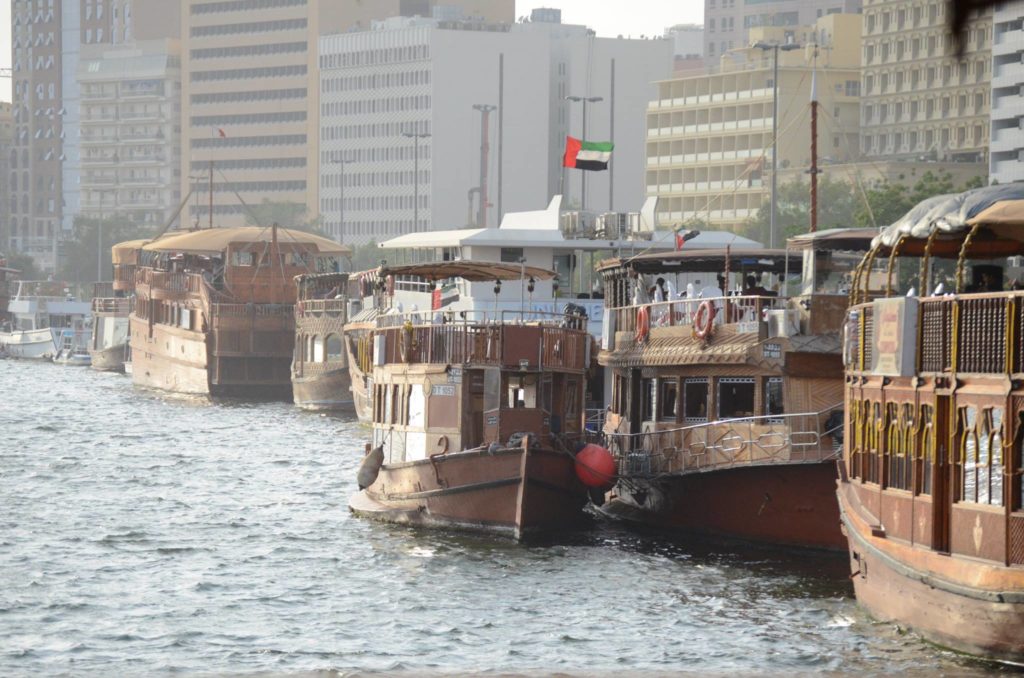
607 17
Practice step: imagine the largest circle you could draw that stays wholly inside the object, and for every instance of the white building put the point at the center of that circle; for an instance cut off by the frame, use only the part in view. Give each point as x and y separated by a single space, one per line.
130 100
1006 145
424 77
687 40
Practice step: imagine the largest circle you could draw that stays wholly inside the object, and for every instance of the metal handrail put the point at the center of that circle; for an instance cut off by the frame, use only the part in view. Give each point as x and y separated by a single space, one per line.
782 439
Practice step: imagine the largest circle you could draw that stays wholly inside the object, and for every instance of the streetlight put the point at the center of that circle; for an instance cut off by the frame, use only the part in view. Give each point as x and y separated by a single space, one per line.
583 176
99 238
341 162
416 136
775 47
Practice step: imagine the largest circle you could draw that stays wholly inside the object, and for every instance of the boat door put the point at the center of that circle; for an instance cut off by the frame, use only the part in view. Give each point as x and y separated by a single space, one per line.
635 401
942 473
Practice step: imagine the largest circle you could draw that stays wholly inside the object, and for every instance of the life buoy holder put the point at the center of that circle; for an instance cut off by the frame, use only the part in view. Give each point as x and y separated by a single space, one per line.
643 324
704 320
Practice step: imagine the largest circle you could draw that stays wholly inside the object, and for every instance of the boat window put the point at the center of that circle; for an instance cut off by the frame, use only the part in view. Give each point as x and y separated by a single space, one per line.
241 258
899 420
773 401
333 347
572 399
647 400
511 255
926 449
522 391
417 406
735 397
318 348
667 399
695 400
299 343
981 455
492 389
545 393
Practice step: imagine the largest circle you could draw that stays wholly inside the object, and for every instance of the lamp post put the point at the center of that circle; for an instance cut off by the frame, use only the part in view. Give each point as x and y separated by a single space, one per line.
341 162
99 239
774 48
416 136
583 176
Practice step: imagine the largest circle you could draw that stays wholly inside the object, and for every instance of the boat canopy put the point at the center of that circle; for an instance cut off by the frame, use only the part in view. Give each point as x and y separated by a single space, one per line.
835 239
217 240
127 252
711 260
998 211
473 271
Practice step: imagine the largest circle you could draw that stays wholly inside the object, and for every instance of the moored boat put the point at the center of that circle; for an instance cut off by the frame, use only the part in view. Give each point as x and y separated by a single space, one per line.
931 492
38 314
476 424
725 413
111 308
320 372
213 311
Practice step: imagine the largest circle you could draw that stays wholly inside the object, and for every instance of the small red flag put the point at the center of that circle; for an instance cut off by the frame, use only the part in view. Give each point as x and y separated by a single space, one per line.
679 242
221 133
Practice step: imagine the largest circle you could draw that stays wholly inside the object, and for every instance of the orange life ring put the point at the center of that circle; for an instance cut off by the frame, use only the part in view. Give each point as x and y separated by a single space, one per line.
704 320
643 324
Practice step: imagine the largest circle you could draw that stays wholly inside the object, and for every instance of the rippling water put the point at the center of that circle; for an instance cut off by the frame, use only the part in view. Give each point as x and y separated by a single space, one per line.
144 533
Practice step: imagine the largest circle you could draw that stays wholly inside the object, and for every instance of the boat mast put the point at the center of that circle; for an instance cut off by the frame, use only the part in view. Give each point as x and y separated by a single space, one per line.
814 143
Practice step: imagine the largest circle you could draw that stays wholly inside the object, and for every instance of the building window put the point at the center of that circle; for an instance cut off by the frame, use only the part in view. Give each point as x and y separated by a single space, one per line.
735 397
773 397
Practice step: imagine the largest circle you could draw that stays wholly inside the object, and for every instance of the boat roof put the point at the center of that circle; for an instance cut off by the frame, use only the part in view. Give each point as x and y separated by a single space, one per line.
998 210
217 240
473 271
845 239
710 260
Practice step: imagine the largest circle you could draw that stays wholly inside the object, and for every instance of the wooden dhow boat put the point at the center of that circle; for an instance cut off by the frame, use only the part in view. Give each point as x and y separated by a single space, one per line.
478 425
320 369
725 414
931 493
111 308
213 311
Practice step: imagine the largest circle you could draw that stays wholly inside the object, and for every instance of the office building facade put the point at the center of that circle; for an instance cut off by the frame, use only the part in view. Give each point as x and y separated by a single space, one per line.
727 23
385 90
1007 107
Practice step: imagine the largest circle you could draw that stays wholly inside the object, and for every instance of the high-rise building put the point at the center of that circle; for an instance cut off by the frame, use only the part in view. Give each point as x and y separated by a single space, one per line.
403 108
919 101
250 94
130 107
709 136
1007 136
46 40
6 151
727 23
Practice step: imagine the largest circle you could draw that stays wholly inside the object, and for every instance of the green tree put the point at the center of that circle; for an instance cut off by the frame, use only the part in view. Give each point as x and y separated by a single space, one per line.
366 256
25 265
836 208
78 255
285 214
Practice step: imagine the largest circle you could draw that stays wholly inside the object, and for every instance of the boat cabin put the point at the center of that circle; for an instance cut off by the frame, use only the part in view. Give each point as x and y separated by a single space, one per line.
448 381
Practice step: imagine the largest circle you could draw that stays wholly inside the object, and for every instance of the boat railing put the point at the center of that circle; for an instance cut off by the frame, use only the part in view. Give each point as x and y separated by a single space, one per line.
225 310
170 281
112 305
805 437
316 306
969 333
741 308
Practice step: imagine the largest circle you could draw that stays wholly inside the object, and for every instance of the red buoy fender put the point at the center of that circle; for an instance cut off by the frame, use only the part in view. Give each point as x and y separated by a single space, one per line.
704 320
643 324
595 466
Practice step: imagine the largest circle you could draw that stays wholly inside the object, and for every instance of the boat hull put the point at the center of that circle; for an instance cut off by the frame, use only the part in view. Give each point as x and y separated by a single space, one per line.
792 504
980 612
29 344
510 492
328 391
110 359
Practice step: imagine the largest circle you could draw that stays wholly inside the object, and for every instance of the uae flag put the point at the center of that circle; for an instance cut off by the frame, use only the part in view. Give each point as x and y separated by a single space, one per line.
587 155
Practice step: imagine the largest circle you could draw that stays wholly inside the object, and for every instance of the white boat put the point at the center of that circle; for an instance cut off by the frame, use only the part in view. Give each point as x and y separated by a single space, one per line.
38 313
